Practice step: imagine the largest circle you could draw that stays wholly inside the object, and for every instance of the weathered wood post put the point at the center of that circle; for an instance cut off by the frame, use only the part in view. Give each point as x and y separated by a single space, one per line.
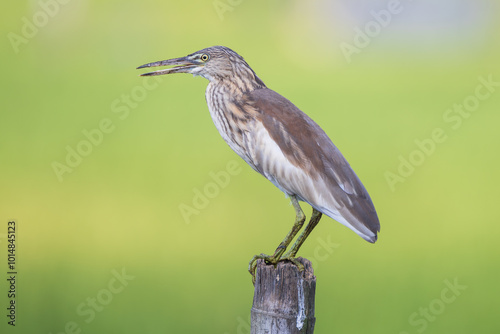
283 301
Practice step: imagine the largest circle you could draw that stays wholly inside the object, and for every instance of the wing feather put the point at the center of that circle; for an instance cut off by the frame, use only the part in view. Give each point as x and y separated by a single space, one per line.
300 159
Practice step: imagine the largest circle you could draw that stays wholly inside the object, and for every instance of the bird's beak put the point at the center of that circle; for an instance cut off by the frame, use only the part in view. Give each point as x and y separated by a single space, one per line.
181 65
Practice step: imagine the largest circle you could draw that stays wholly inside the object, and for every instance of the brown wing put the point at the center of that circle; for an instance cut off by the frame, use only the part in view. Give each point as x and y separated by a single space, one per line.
308 147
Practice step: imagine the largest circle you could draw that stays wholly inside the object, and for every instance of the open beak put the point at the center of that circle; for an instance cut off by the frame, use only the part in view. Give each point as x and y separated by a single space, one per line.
181 65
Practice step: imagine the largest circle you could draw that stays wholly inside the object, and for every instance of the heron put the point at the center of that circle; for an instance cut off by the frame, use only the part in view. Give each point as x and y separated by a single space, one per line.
280 142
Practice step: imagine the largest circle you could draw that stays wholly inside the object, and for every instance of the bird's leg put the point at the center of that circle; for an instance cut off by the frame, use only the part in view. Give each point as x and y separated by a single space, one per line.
315 217
276 257
299 222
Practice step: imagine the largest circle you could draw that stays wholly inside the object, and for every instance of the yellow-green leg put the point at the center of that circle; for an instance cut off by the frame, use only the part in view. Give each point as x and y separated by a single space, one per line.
315 217
276 257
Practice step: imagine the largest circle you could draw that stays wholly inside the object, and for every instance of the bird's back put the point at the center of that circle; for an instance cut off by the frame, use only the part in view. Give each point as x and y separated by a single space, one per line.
286 146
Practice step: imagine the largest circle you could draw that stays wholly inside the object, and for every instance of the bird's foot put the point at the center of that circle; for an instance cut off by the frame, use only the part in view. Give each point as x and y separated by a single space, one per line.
252 266
294 260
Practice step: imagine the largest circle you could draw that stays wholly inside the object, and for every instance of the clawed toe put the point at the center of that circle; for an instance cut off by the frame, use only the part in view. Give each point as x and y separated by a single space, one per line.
252 266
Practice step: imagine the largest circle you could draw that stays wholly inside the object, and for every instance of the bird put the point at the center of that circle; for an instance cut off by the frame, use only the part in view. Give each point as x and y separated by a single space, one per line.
280 142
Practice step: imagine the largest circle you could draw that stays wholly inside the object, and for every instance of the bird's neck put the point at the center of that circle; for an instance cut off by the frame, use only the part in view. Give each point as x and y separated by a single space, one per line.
235 87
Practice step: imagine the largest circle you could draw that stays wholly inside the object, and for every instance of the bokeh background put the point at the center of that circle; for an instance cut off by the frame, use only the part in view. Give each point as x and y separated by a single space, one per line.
68 68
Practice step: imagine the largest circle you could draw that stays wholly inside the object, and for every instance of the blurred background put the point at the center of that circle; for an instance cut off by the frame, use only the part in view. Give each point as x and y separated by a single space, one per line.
134 216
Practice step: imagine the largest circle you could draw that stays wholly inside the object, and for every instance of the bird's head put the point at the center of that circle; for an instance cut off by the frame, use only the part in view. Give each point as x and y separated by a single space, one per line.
213 63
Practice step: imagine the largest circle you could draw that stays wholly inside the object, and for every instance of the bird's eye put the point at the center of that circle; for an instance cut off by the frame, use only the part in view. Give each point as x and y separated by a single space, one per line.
204 57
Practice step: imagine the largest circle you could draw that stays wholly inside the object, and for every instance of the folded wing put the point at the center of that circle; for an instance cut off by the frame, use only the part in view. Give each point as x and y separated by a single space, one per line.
294 153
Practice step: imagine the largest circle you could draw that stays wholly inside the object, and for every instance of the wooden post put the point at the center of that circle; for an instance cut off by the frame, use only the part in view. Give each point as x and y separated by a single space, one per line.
283 301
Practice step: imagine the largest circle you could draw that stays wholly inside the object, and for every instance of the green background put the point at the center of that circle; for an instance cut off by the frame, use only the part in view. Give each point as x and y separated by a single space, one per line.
119 208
